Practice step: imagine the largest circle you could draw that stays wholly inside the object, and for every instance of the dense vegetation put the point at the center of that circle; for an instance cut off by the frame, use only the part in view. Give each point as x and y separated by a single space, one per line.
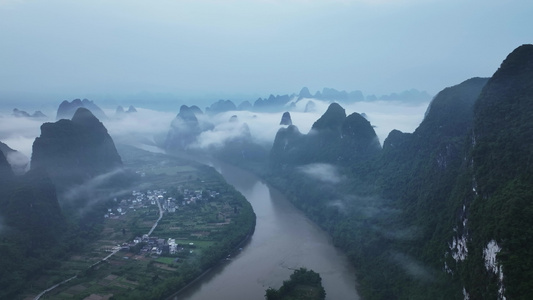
303 285
34 233
442 213
57 209
220 242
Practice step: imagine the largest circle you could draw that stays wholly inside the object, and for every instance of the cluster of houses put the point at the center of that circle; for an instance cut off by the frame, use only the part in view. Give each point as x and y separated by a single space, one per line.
152 245
156 246
136 201
139 200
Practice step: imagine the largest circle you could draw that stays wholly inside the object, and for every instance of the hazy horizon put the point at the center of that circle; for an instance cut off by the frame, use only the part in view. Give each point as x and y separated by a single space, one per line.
205 50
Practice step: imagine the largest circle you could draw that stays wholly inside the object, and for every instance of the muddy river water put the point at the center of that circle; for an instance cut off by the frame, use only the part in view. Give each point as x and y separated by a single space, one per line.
284 240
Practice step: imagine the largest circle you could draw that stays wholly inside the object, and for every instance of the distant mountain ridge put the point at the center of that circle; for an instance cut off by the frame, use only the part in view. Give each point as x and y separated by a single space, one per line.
67 109
23 114
278 103
333 138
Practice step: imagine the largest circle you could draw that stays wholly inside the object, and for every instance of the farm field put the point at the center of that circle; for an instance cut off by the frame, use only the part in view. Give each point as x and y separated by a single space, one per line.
203 220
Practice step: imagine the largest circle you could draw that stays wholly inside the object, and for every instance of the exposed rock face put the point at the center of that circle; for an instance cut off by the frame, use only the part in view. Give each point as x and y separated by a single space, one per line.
72 151
67 109
498 206
286 119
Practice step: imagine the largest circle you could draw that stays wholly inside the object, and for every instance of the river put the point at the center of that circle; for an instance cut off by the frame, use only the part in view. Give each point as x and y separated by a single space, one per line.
284 240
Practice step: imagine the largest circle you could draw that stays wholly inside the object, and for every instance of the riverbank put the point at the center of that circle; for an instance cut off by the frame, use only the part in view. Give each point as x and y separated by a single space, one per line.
284 240
224 261
207 229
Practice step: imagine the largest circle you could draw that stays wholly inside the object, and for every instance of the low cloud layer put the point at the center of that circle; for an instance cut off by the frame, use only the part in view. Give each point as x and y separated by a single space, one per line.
140 127
322 172
151 127
94 190
19 133
383 115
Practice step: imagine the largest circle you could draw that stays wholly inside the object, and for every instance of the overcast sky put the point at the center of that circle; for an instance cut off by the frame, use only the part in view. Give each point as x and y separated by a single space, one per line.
238 47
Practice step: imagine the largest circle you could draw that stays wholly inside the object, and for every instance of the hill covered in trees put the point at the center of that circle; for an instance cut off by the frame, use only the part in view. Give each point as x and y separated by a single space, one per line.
45 213
441 213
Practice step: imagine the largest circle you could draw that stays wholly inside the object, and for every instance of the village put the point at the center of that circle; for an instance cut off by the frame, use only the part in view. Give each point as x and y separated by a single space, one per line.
149 245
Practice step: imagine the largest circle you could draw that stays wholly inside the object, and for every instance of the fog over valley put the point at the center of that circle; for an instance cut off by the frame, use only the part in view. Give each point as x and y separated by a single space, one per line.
266 149
147 124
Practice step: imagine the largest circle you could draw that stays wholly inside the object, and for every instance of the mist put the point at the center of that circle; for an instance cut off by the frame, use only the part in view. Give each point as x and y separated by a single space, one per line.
412 266
323 172
383 115
93 191
150 127
143 127
19 133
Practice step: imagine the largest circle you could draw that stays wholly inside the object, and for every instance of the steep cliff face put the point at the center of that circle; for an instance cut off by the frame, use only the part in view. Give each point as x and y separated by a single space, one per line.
435 149
443 212
497 190
72 151
398 214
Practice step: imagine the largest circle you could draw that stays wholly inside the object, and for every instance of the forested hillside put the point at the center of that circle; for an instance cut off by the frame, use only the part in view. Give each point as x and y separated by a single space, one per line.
45 214
442 213
31 227
498 186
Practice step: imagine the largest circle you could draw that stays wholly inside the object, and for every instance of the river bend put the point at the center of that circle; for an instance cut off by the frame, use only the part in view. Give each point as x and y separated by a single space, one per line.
284 240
